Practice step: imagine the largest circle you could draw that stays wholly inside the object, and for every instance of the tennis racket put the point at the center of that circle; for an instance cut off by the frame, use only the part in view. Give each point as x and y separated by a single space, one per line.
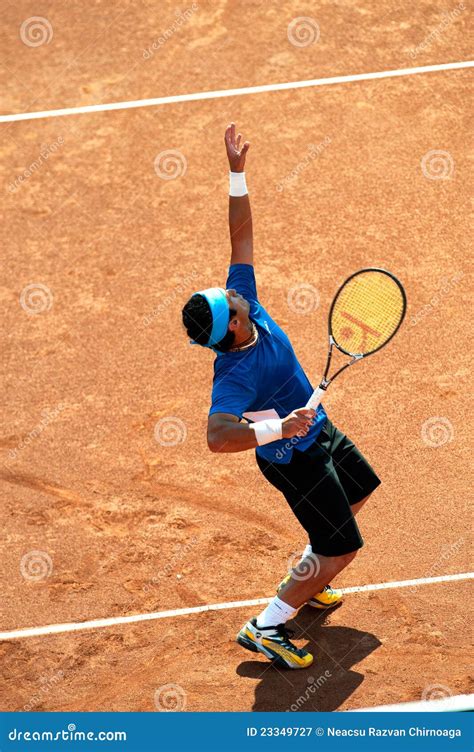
366 313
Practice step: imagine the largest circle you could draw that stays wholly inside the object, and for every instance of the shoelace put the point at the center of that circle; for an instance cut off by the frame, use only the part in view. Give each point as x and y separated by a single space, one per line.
285 632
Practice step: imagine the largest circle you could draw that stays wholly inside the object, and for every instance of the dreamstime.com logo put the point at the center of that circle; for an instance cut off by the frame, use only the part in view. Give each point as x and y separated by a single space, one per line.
48 417
170 698
170 431
36 31
448 18
303 298
182 17
46 684
314 151
445 286
306 569
166 301
36 565
36 298
167 570
437 431
45 152
312 688
303 31
439 566
437 164
289 445
436 692
170 565
71 734
170 164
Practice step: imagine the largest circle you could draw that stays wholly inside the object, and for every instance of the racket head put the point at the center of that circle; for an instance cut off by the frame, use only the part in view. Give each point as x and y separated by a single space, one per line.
367 311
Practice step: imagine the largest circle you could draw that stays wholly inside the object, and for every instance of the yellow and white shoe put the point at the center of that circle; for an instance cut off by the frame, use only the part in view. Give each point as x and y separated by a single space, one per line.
274 643
327 598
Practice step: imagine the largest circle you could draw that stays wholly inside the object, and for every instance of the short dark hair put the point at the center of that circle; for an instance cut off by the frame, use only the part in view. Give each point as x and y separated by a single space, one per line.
197 319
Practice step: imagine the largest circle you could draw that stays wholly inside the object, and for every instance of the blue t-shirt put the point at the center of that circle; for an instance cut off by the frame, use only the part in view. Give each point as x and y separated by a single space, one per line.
267 376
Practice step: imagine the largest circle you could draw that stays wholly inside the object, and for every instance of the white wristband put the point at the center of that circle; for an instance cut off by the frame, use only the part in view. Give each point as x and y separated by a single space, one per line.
237 184
267 430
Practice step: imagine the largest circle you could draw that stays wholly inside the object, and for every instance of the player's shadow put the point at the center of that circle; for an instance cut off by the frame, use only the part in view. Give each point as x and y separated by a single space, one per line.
328 682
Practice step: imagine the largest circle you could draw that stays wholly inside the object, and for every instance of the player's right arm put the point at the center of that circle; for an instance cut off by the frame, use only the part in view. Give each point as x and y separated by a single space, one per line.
240 215
225 432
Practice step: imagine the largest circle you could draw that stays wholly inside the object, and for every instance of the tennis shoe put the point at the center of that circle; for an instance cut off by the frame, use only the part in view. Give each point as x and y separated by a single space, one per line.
327 598
275 644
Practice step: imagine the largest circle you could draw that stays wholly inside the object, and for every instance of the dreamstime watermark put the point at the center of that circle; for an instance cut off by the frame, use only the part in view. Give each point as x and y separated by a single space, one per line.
36 31
436 692
313 152
170 565
170 698
46 684
70 734
437 431
437 164
445 287
303 298
289 445
451 108
178 290
182 17
304 569
167 570
448 17
170 431
439 567
48 417
170 164
36 565
303 31
36 298
310 691
45 152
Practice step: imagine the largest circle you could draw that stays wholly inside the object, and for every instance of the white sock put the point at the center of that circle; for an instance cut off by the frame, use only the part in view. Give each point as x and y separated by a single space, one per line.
277 612
307 552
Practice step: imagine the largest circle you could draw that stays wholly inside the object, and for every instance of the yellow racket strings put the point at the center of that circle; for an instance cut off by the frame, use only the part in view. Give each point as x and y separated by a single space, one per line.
367 312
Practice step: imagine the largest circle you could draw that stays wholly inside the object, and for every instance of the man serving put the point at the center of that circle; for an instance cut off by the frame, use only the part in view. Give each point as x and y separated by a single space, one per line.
258 392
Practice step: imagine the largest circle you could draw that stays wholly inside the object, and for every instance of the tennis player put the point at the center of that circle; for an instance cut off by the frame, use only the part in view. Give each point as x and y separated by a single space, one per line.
258 395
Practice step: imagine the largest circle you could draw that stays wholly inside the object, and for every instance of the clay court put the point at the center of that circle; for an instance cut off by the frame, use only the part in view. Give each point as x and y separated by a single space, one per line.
113 505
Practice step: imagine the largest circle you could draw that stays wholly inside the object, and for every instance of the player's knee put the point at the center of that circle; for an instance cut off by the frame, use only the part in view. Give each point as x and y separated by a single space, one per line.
341 562
347 558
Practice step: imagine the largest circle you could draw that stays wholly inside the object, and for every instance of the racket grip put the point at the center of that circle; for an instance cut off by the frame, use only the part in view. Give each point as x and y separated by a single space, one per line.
315 398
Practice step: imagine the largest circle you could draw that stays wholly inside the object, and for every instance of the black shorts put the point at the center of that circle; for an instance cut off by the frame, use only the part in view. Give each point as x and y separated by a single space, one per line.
320 485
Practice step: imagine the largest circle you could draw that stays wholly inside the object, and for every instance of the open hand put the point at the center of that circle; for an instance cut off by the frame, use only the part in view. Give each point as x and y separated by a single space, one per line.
235 153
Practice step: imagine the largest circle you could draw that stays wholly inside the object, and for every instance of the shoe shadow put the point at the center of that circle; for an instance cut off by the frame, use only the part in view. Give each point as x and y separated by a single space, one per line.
328 682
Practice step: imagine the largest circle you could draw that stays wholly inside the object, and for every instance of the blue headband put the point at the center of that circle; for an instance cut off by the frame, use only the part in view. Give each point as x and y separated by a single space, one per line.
219 306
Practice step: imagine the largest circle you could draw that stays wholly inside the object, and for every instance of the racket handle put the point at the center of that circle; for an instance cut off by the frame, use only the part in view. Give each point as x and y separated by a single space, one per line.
315 398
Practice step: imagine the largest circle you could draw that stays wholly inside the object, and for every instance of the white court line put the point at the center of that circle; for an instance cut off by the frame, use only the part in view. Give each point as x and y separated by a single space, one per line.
456 703
112 621
234 92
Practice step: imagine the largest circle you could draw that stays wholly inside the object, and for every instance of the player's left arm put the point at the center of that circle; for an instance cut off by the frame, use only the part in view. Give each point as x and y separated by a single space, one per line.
240 216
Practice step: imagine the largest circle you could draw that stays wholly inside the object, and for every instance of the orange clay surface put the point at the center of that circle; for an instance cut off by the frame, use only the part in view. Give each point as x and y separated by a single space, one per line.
132 525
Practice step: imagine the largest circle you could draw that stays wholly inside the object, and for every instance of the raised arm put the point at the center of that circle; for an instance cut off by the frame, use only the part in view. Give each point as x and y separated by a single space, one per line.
240 216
